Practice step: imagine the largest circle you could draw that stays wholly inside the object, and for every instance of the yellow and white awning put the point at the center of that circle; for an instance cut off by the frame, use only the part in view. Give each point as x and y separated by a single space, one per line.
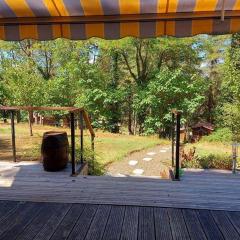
114 19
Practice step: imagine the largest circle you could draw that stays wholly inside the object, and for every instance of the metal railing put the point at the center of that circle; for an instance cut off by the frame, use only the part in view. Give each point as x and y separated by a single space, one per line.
83 117
176 125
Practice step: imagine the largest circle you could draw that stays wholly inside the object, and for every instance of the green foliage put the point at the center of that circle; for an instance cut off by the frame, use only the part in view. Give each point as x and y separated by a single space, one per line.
171 89
131 82
217 161
223 135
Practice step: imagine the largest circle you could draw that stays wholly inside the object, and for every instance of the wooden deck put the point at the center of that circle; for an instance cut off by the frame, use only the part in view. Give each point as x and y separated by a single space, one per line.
214 190
56 221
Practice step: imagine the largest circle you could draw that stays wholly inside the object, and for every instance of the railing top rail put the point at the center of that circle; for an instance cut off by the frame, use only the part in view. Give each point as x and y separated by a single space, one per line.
69 109
31 108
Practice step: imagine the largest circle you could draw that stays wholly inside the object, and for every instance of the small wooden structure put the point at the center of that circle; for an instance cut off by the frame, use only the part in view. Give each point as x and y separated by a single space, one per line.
201 129
73 112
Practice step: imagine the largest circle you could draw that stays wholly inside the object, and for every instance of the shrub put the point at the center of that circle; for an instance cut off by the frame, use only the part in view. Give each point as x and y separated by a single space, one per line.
94 167
219 135
217 161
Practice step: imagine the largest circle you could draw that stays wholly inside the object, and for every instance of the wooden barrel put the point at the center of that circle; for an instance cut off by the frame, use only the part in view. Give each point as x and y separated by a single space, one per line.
55 151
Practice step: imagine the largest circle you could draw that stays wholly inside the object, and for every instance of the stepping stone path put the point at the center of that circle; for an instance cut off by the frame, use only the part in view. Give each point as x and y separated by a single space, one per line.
133 162
152 162
147 159
138 171
151 153
163 151
120 175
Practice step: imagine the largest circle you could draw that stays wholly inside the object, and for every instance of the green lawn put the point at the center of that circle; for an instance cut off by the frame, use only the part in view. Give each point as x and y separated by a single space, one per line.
108 147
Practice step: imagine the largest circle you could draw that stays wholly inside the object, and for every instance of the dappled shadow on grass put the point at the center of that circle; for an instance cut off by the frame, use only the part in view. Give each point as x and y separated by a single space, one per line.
6 150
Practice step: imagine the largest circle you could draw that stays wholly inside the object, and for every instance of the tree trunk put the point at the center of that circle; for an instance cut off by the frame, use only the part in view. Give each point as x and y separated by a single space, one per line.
30 121
130 122
18 117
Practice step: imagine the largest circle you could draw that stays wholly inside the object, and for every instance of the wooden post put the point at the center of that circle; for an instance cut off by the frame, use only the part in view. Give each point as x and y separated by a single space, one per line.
81 136
73 143
177 174
13 137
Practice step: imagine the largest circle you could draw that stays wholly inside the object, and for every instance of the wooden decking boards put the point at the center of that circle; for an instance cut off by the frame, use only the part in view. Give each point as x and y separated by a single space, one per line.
48 221
214 190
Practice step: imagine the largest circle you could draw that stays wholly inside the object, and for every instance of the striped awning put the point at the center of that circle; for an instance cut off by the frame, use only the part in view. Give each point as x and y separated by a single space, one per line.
114 19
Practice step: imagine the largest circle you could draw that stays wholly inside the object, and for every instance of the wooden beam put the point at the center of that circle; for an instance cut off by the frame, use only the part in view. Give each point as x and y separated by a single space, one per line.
119 18
29 108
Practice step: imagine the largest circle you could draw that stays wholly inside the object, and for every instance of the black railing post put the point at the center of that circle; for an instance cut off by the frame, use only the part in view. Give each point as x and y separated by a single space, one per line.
13 136
173 137
73 143
177 173
81 136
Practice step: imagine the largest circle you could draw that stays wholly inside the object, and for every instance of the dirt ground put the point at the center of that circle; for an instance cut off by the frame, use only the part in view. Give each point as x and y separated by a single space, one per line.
153 162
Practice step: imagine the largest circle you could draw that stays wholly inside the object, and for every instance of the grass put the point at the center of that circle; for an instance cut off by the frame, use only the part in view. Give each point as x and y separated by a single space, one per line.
210 155
108 147
204 148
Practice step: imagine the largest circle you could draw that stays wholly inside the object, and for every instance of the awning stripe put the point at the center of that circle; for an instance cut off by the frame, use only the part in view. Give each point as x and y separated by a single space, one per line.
2 33
206 5
23 9
92 7
43 8
147 29
5 10
110 7
129 7
188 6
38 8
78 31
183 28
74 7
45 32
113 19
112 30
148 6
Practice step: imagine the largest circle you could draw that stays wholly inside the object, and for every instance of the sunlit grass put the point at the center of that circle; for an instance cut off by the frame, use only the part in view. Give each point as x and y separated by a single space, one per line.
204 148
108 147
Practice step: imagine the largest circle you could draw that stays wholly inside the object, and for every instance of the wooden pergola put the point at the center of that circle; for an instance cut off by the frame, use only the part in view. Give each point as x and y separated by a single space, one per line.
73 111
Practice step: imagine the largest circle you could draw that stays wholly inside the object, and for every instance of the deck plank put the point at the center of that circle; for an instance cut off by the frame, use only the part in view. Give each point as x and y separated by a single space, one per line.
162 224
52 223
65 227
114 225
130 224
99 223
209 225
82 225
7 208
38 222
19 220
235 219
179 229
146 229
44 221
225 225
27 181
193 225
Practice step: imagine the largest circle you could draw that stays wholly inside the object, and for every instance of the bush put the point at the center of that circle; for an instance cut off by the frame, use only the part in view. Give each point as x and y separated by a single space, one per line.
217 161
94 167
219 135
